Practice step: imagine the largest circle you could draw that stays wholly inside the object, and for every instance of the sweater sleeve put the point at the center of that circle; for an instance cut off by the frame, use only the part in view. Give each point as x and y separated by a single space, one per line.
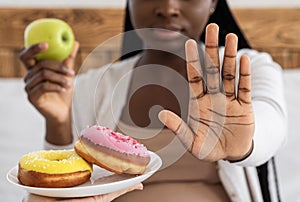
269 108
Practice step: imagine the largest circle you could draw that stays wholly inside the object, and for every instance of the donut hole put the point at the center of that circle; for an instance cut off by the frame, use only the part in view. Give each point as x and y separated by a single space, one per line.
58 156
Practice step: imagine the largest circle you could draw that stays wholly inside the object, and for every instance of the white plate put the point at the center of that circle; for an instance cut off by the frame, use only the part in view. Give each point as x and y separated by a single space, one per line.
101 182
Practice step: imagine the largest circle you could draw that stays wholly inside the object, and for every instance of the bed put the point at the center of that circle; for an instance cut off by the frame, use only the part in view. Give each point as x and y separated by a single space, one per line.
22 127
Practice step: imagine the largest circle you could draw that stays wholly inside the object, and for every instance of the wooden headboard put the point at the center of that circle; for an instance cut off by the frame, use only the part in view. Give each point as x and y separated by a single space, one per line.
276 31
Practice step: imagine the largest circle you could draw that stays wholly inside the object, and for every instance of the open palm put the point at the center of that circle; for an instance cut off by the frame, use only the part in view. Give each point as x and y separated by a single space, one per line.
221 120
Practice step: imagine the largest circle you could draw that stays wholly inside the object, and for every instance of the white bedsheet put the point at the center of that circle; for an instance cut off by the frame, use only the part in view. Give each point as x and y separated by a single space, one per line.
22 130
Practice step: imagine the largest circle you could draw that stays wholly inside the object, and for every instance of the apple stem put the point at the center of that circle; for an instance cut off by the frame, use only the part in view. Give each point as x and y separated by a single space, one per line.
64 38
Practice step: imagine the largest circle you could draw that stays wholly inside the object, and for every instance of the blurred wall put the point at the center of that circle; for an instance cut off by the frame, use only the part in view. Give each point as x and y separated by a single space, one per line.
121 3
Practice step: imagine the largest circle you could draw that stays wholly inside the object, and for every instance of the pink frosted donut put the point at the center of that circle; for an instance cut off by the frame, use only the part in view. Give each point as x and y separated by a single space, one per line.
112 151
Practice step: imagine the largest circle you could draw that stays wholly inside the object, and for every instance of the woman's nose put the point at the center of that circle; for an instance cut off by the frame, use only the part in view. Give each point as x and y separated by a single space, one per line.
168 8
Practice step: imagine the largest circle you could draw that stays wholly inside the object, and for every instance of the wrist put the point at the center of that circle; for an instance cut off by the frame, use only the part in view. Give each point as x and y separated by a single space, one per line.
238 159
59 133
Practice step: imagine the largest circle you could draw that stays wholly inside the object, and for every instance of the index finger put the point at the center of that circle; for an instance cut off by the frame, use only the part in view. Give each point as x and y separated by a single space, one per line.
27 55
194 73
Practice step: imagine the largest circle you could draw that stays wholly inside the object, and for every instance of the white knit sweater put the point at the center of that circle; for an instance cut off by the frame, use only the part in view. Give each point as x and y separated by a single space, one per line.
100 95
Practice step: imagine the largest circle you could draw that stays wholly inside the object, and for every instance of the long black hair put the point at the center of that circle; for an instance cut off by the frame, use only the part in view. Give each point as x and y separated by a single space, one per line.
227 24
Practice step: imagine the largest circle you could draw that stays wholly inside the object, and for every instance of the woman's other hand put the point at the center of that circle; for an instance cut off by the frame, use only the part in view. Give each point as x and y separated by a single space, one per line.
98 198
49 86
221 120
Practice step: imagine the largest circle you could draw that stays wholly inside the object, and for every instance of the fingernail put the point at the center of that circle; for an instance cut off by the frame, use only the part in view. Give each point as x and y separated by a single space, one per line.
43 46
67 83
162 116
69 71
140 187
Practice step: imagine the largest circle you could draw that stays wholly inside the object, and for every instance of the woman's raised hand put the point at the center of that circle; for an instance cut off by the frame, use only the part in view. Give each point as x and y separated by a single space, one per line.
221 120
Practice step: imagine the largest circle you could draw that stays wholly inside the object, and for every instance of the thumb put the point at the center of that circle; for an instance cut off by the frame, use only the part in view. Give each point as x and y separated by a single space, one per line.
170 119
178 126
70 61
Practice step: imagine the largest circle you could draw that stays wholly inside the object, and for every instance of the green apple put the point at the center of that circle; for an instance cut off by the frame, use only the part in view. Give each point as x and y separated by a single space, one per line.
57 33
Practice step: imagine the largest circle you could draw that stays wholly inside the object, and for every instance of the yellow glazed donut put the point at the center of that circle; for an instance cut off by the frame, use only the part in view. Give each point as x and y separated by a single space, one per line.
53 168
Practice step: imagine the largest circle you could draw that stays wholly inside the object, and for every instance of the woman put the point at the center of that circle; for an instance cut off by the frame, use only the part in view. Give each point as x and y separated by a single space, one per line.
223 127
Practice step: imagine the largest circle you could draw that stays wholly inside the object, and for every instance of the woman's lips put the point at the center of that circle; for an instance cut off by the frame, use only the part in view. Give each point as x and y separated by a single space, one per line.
167 31
166 34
